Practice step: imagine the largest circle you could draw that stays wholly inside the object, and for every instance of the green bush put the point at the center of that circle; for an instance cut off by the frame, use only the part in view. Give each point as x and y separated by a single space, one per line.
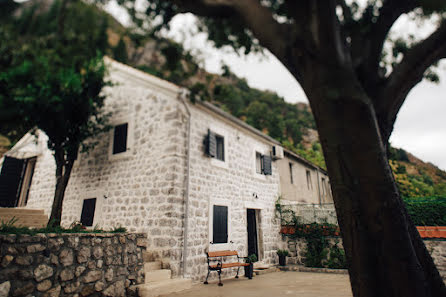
427 211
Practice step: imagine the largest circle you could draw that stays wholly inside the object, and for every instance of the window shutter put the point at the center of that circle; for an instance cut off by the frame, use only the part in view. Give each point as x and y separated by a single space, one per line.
220 224
267 170
10 181
87 215
211 144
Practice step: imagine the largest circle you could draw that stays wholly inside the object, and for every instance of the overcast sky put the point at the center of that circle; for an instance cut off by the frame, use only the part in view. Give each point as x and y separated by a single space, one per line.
421 124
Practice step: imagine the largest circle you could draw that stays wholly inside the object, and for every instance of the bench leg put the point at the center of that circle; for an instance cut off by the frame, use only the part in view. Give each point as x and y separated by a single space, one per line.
219 278
237 272
206 281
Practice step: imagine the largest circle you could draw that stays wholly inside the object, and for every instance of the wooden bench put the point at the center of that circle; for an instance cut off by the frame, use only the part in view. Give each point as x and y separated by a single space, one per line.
215 263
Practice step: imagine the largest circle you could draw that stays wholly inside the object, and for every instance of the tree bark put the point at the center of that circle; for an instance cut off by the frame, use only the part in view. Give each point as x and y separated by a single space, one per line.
385 253
63 172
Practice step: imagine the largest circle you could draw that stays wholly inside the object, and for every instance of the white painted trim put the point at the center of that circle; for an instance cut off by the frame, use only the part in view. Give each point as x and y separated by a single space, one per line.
130 139
262 150
219 246
98 211
220 131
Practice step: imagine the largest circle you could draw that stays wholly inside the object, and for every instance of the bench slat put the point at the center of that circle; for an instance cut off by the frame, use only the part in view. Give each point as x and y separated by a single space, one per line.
222 254
228 265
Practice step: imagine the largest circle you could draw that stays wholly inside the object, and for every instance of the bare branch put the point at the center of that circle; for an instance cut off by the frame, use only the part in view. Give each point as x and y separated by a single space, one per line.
259 19
408 73
388 14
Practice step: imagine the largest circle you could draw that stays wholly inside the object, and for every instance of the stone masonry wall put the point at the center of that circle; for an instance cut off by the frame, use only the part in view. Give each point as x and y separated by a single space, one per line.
70 264
297 247
233 183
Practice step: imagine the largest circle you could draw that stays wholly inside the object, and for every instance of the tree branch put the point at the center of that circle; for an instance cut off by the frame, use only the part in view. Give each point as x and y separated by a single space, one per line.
259 19
407 74
388 14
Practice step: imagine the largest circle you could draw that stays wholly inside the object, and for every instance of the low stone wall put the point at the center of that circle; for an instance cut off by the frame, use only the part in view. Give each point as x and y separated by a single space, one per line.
71 264
437 249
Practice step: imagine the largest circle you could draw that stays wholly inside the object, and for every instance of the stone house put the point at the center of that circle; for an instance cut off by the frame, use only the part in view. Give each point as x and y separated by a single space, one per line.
191 176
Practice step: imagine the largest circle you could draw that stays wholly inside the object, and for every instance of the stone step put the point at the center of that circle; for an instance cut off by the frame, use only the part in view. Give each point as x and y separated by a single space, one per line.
11 210
156 265
164 287
261 271
157 275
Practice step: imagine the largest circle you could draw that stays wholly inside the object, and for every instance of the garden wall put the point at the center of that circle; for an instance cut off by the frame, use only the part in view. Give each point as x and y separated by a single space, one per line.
84 264
436 247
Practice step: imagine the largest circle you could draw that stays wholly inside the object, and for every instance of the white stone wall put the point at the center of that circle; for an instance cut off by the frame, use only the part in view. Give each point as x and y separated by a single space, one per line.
300 191
43 183
233 183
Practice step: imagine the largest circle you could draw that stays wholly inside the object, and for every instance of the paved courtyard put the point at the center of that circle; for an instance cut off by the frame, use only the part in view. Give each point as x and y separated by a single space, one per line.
289 283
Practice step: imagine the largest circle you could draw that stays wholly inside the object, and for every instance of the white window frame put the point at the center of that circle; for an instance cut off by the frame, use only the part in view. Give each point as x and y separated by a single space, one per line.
219 246
220 131
98 211
116 122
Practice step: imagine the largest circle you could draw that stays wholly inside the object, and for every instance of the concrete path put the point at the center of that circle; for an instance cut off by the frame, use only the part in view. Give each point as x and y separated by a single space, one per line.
289 283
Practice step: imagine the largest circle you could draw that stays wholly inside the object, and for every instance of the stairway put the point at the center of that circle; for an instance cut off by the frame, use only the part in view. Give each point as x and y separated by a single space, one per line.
158 281
24 217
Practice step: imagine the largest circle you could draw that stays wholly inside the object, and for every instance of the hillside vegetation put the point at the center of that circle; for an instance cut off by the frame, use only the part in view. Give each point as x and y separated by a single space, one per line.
291 124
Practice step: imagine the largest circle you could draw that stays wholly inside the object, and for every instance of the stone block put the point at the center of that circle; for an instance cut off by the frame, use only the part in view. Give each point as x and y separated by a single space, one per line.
4 289
44 286
66 257
92 276
83 255
24 260
66 274
43 272
24 290
54 292
34 248
79 270
7 260
72 287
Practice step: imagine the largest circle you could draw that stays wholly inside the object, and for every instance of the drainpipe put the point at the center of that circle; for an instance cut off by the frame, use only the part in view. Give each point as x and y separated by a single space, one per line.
182 97
318 188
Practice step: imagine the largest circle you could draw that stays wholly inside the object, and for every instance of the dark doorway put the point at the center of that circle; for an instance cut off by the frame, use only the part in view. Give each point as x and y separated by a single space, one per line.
10 181
87 215
252 233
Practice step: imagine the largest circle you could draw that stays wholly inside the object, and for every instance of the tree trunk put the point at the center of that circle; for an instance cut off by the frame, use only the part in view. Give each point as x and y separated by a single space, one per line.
385 253
63 172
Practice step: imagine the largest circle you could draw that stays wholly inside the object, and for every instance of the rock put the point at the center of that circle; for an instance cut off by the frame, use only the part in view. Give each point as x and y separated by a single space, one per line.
97 252
93 276
25 274
109 275
99 286
42 272
54 244
34 248
99 264
11 250
54 292
66 257
6 260
87 290
80 270
24 260
71 287
115 290
66 274
54 259
44 286
4 289
141 242
91 265
24 290
73 242
83 255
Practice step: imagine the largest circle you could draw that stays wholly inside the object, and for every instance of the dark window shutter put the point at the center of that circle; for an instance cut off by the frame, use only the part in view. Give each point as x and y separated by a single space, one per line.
10 181
87 215
211 144
120 139
220 224
267 170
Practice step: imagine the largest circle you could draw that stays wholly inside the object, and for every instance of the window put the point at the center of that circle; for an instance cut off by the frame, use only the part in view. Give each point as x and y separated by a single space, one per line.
87 215
220 147
120 139
259 162
263 164
220 224
291 173
309 185
324 186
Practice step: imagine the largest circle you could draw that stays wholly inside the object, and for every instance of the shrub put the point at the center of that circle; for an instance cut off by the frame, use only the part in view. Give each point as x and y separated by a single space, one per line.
427 211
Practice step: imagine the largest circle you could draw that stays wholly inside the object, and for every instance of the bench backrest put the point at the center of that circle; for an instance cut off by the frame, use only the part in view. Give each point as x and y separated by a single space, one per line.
222 254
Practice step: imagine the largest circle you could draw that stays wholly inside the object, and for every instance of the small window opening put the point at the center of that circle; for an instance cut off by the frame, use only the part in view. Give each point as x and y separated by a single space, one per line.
220 148
88 209
120 139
